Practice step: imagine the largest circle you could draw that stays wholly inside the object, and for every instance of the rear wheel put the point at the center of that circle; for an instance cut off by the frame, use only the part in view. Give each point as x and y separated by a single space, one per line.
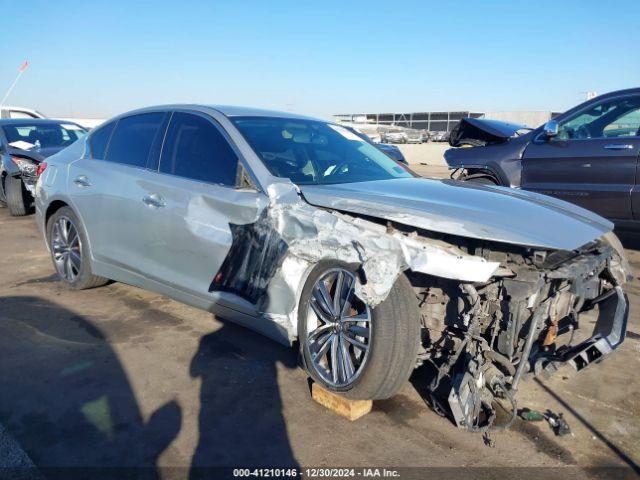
350 348
70 250
16 196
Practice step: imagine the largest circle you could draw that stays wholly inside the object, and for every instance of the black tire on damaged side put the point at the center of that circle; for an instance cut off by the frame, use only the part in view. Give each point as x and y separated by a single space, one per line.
17 196
85 279
395 338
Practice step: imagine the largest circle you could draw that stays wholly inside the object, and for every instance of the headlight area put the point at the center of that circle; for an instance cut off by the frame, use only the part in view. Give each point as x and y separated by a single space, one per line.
28 168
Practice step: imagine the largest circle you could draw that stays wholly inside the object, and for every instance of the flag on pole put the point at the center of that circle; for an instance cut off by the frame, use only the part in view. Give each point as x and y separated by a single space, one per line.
20 72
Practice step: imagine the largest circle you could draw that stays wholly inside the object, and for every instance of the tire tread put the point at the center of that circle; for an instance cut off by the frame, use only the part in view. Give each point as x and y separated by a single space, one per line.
15 194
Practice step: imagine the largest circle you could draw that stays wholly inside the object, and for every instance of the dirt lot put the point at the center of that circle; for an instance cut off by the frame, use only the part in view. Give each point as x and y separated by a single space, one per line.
117 376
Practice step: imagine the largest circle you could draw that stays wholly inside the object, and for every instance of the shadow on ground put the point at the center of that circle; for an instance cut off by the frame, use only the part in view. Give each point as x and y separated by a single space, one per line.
241 420
66 399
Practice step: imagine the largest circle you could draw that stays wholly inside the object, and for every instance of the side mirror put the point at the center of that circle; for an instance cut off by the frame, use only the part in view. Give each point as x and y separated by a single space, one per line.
551 128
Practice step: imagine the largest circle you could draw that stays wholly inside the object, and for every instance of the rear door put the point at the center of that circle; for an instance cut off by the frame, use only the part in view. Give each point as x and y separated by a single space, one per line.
107 188
592 162
189 204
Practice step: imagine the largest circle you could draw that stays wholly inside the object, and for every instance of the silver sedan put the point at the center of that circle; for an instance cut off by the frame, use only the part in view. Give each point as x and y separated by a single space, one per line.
301 230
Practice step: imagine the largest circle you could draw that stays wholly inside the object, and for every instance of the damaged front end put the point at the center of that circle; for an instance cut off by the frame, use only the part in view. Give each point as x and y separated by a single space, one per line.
492 313
27 172
24 164
480 132
482 339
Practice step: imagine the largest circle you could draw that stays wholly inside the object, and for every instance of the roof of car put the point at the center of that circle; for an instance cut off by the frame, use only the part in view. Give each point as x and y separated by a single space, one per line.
226 110
615 93
34 121
238 111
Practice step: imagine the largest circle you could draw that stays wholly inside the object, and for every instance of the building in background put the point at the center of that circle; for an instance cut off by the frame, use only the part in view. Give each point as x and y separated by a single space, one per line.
442 121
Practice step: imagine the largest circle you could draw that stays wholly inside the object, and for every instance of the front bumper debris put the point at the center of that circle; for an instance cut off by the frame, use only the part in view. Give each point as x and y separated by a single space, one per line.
608 334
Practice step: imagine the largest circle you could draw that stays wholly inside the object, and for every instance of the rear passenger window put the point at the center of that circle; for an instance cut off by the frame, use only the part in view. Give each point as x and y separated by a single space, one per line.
133 138
196 149
99 139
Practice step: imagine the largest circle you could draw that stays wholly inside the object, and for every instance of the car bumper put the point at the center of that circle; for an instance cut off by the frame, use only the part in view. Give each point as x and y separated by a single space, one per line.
608 334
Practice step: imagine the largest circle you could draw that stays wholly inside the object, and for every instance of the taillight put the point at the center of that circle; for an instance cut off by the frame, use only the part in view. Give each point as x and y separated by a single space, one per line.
41 168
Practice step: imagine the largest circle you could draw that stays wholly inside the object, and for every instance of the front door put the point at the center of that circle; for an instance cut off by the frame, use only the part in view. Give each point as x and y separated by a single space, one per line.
592 161
190 203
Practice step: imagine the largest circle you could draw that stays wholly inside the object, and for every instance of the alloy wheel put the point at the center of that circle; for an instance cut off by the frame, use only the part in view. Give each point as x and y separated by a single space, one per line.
66 247
338 329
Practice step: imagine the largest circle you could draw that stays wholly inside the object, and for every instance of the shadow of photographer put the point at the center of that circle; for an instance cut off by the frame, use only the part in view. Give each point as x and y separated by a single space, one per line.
241 423
67 400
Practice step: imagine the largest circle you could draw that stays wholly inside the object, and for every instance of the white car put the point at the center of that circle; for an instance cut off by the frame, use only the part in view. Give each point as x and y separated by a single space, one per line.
23 112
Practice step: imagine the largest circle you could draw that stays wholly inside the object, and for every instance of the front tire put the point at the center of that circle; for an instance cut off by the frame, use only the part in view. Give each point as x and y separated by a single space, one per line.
16 196
70 250
350 348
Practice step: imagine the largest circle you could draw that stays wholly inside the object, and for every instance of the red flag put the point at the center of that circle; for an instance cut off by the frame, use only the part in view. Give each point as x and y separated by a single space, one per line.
24 66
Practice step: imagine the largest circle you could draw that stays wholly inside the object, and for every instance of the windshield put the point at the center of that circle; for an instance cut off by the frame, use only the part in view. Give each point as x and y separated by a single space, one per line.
35 136
311 152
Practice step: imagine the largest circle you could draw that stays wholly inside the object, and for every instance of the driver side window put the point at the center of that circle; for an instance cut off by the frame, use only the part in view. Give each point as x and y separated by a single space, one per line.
619 117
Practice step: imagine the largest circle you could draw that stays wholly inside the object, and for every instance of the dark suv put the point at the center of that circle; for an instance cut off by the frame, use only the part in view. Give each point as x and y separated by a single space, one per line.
588 155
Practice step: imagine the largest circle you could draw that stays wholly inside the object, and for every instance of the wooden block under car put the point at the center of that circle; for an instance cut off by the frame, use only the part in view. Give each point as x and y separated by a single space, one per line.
345 407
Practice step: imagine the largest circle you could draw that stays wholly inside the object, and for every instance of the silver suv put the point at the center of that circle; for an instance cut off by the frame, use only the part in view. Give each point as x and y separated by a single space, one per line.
301 230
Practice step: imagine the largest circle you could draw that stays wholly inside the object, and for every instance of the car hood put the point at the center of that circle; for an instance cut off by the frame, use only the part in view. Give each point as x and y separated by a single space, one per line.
484 212
489 131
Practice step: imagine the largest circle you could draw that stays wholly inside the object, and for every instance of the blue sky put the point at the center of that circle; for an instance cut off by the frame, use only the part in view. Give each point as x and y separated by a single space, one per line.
317 57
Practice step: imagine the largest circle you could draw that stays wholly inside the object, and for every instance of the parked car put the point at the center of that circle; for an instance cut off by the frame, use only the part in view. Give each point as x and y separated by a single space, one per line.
394 136
414 136
440 136
391 150
587 156
24 144
301 230
26 113
19 112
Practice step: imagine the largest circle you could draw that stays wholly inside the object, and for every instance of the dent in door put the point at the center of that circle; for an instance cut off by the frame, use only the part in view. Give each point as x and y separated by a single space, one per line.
256 253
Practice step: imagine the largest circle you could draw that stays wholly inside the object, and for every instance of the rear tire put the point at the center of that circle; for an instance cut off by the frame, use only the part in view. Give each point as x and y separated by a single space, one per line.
392 339
16 196
70 250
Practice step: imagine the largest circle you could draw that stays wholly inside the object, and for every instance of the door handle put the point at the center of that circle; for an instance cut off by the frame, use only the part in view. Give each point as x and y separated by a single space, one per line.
153 200
82 181
619 146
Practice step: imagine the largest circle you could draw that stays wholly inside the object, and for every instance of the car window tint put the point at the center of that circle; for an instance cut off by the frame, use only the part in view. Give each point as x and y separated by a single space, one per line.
132 140
310 152
99 139
628 125
618 117
194 148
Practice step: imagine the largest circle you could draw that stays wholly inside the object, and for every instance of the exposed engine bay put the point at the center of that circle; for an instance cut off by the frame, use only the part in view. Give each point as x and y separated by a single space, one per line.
483 339
492 313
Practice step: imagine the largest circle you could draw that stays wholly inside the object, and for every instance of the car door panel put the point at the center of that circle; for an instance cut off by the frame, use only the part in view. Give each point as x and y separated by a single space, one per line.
107 193
107 196
189 237
584 172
